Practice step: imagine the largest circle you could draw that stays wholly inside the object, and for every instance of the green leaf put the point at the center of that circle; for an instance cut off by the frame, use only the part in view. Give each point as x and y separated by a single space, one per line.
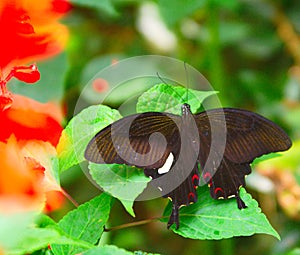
84 223
80 131
217 219
144 253
27 237
19 223
128 205
296 251
107 250
174 11
265 157
103 5
38 238
44 221
287 159
50 87
121 181
168 98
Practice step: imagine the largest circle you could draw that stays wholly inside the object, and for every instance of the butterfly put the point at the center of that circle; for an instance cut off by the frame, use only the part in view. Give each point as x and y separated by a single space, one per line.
216 146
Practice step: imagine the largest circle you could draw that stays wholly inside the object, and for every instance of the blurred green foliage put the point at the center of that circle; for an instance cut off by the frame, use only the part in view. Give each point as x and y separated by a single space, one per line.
249 52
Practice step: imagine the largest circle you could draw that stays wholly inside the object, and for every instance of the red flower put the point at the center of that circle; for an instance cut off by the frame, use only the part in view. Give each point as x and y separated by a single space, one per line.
28 119
29 32
26 155
28 74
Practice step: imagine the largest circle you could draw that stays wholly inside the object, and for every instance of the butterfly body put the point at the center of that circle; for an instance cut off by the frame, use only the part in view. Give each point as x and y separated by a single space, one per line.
216 146
182 179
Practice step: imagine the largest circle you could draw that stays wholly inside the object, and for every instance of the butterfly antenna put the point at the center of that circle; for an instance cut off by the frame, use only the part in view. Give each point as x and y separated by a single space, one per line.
187 82
158 75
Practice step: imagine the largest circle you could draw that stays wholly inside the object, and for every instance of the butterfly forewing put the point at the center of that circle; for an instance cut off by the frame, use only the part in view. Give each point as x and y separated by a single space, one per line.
141 140
248 135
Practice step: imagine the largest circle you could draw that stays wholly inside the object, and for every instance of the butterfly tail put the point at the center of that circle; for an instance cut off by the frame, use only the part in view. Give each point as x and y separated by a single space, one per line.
174 217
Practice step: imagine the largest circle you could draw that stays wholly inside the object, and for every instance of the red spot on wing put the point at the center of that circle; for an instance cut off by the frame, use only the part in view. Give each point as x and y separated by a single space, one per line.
218 189
191 197
207 176
195 180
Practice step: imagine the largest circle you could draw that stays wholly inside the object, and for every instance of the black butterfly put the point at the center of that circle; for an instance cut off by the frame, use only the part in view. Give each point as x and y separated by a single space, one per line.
172 149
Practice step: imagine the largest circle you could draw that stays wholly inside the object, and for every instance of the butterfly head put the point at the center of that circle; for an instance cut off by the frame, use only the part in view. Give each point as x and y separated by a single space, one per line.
185 109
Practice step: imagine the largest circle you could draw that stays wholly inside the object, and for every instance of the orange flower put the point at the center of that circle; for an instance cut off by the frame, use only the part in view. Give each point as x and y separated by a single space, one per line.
20 180
43 153
28 119
30 32
37 129
55 200
27 177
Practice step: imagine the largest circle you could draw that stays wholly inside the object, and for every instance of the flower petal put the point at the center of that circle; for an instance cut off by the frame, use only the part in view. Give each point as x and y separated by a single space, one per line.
30 31
44 153
20 187
28 119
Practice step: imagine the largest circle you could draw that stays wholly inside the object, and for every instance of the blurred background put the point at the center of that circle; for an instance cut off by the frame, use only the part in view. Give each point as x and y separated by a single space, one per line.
249 50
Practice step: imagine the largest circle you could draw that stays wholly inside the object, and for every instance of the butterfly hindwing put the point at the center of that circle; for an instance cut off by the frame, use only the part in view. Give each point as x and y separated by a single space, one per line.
228 179
183 195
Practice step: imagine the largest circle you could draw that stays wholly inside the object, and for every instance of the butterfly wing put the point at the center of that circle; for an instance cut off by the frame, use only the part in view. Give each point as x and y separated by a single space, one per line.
249 135
142 150
226 162
142 140
228 179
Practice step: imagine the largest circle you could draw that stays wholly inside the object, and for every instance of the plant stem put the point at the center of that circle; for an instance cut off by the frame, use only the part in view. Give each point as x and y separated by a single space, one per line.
68 196
133 224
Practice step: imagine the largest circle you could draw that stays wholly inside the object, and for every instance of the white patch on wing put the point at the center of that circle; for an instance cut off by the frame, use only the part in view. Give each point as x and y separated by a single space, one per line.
167 166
